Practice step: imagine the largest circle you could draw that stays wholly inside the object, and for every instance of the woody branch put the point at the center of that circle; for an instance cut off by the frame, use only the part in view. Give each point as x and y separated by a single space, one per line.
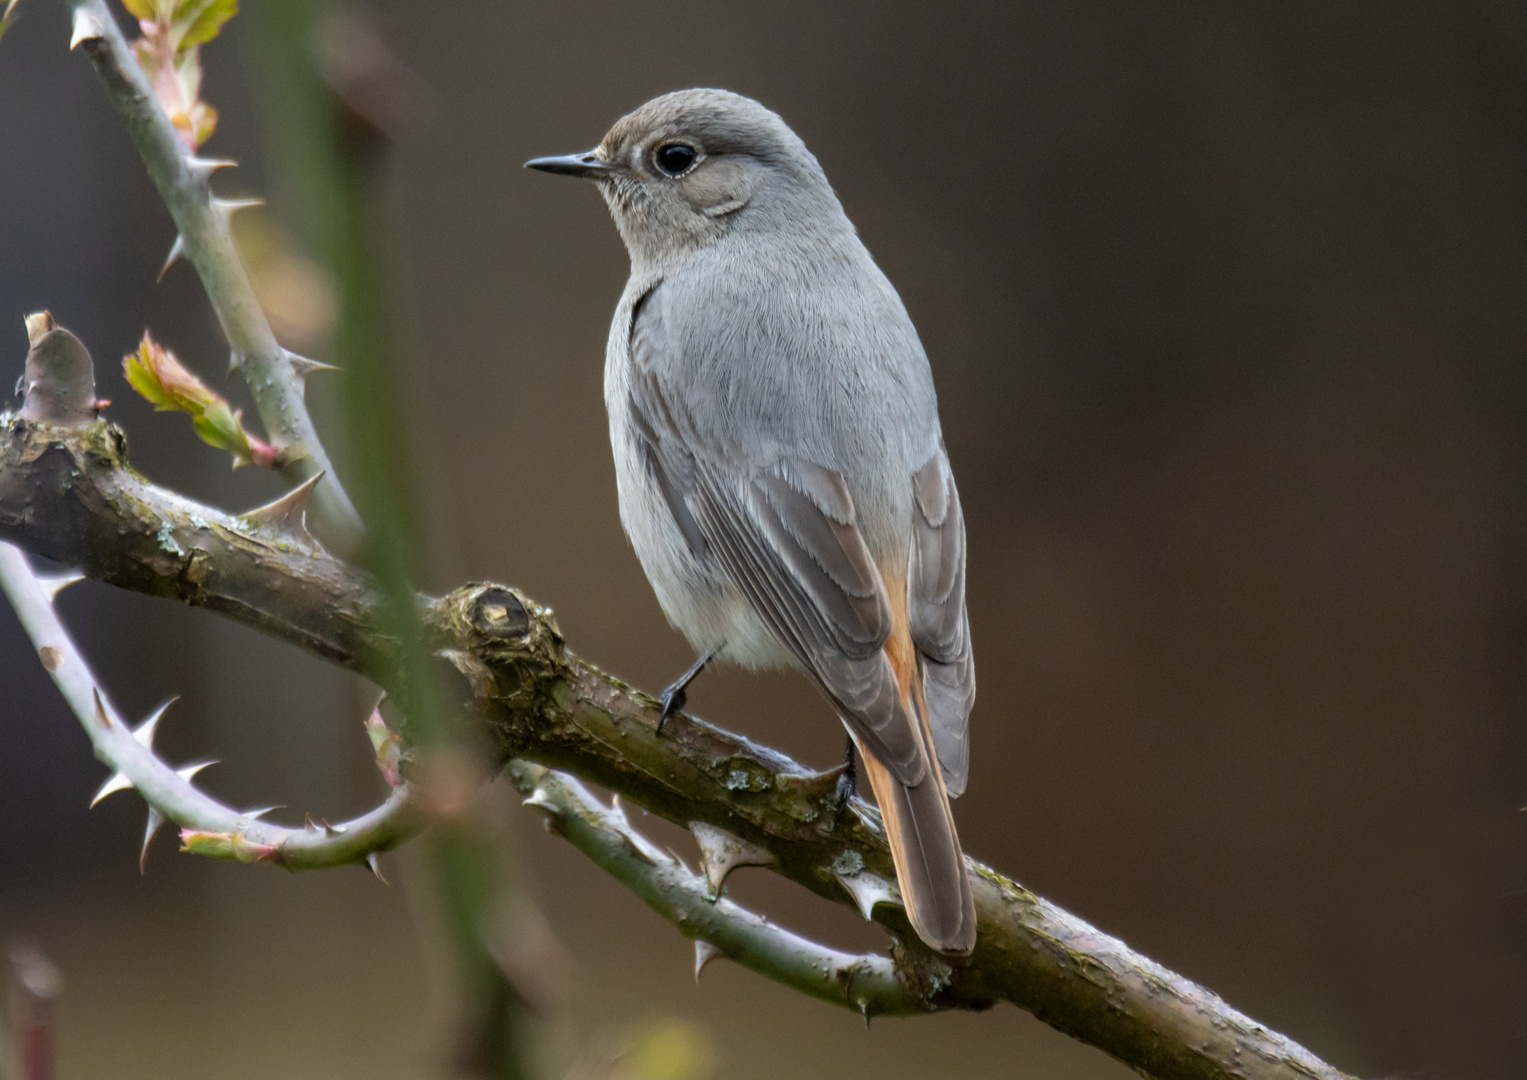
66 492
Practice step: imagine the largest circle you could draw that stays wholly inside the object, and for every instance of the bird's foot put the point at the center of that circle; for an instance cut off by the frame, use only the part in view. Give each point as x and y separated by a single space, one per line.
674 698
677 694
848 785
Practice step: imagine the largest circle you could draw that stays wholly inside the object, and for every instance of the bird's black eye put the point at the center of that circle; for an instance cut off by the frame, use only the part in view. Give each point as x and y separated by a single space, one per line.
675 158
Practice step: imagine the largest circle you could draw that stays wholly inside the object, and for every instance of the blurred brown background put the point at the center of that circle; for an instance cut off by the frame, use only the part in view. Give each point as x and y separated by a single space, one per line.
1226 308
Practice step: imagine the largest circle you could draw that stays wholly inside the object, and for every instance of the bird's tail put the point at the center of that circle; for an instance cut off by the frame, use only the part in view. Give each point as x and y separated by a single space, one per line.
930 866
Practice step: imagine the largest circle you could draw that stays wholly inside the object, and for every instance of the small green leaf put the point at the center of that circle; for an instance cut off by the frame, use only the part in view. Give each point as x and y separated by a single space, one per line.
219 426
155 373
199 21
147 9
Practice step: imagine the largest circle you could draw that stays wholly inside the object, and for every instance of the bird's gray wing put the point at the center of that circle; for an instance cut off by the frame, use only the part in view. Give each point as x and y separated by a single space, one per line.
785 533
936 611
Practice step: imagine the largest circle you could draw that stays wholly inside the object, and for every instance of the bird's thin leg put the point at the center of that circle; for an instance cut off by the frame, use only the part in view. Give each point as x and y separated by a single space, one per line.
678 691
848 783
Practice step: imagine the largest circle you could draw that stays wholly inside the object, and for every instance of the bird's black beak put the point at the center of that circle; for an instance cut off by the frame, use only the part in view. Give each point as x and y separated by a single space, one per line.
586 165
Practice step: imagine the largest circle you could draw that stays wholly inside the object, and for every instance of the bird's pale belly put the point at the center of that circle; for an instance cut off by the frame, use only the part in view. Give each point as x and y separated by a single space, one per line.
698 599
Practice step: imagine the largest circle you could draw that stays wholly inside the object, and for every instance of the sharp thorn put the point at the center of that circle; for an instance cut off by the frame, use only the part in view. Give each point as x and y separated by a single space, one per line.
721 853
376 866
541 801
644 847
177 252
86 27
100 708
57 583
185 772
867 889
304 366
864 1009
288 513
705 952
308 824
155 820
333 830
118 782
144 732
235 361
203 168
256 815
226 208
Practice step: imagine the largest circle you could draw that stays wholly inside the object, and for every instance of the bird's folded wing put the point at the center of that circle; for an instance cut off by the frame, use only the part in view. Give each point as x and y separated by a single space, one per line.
936 611
785 534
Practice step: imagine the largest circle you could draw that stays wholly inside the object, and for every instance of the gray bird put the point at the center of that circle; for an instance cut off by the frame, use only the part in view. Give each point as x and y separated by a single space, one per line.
781 471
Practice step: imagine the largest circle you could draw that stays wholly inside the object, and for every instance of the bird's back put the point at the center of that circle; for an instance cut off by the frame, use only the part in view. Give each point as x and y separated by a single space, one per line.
787 348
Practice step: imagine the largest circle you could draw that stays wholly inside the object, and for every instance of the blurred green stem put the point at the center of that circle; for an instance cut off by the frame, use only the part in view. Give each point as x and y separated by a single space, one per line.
275 377
334 158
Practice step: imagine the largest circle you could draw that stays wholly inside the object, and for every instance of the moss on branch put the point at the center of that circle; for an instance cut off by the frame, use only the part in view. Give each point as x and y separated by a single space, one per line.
69 494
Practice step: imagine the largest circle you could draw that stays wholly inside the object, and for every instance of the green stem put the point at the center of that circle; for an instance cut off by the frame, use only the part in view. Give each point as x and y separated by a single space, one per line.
274 376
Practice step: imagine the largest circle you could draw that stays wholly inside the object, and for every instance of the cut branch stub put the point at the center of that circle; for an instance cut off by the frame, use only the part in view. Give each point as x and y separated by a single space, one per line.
59 381
538 701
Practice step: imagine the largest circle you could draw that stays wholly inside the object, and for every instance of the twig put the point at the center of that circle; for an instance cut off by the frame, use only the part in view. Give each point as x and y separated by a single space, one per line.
719 927
209 827
275 376
69 495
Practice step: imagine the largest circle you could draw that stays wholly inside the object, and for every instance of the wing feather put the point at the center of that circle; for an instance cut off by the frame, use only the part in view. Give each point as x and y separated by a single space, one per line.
940 622
787 537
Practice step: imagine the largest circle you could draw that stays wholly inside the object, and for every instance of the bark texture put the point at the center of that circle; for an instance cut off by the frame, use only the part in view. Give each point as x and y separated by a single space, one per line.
69 494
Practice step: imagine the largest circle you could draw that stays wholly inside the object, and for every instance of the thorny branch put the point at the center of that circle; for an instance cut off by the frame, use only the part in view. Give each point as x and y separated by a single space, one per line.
275 376
60 395
68 494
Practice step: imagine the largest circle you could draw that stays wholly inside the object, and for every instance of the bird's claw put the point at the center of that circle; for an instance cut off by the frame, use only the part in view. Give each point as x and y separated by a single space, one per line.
673 699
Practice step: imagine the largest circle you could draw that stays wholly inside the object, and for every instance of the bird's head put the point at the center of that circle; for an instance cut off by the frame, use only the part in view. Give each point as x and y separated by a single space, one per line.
689 167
